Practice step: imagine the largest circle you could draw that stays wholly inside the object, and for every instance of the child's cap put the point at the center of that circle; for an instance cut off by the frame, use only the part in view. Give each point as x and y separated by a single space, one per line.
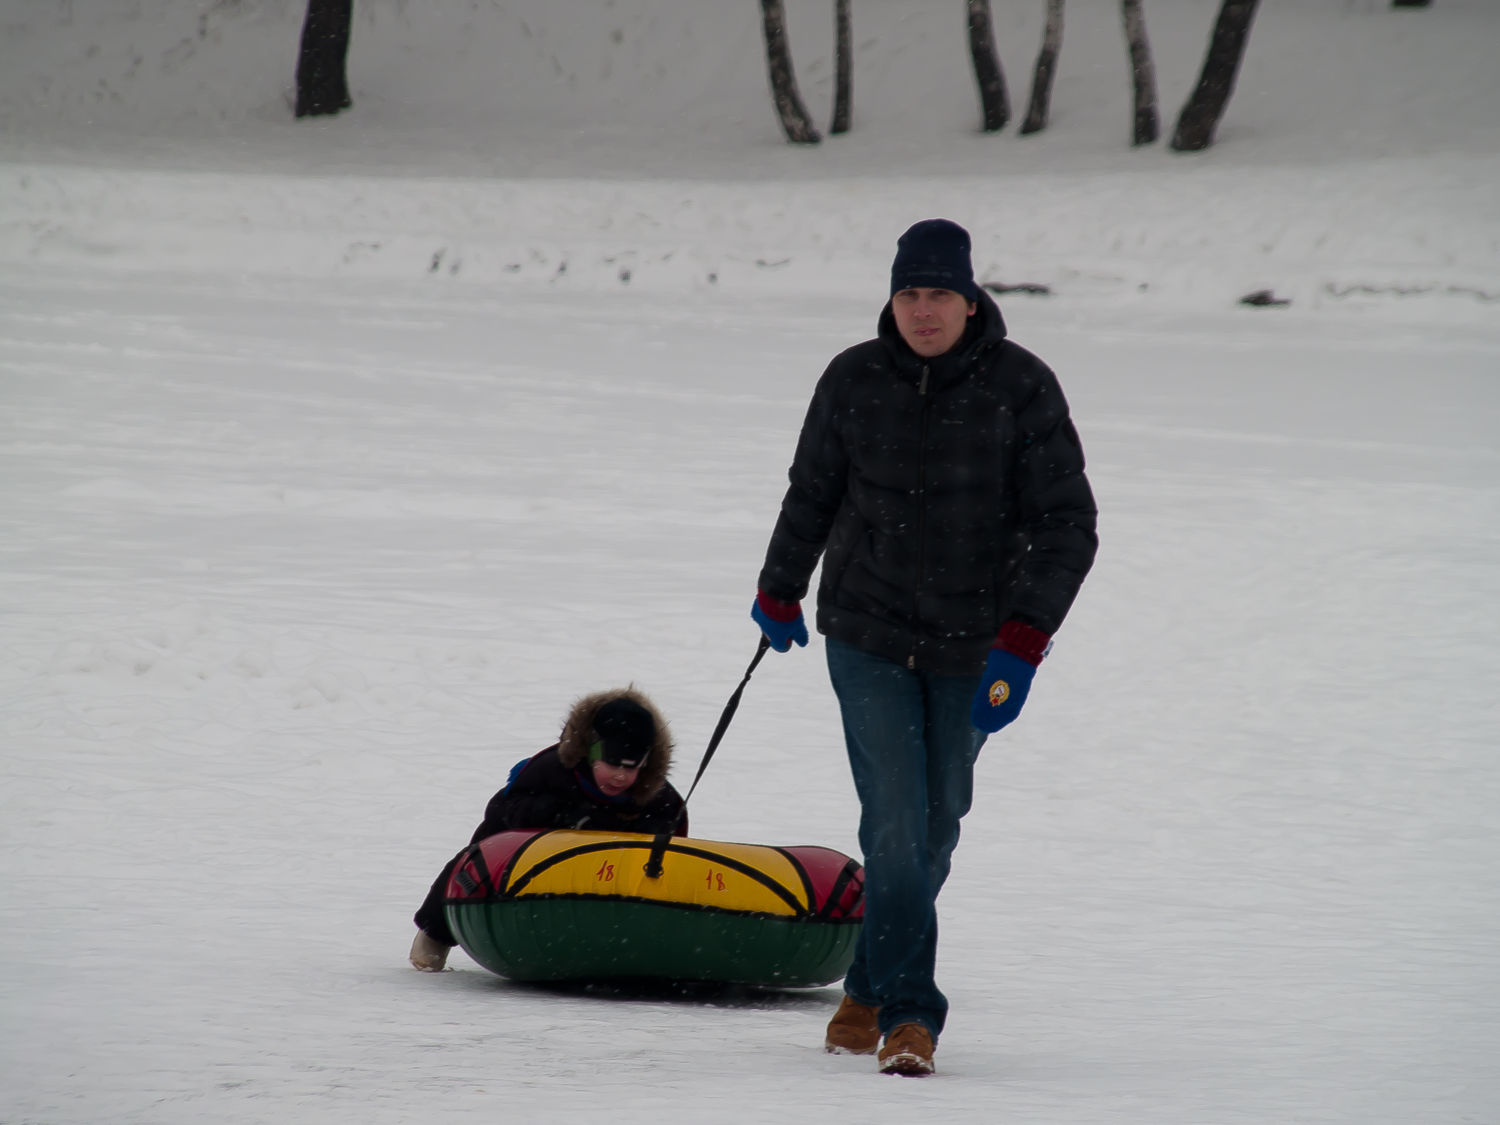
624 733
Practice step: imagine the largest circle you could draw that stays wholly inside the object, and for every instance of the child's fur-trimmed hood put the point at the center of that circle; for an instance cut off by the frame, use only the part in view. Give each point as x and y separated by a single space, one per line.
578 732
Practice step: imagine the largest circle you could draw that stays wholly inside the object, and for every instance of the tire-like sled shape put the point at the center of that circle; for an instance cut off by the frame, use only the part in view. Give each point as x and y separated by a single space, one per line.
566 905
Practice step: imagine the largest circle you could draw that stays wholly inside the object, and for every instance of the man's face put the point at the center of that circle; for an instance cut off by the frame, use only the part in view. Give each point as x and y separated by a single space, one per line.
931 321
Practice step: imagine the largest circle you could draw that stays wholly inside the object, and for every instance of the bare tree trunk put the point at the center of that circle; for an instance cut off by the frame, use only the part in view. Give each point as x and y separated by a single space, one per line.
993 100
1200 117
1046 67
1142 73
796 122
322 87
843 50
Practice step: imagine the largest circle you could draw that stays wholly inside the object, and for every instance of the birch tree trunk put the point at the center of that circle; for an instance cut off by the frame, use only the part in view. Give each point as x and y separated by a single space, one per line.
1200 116
1046 67
322 85
1142 73
843 51
796 122
994 103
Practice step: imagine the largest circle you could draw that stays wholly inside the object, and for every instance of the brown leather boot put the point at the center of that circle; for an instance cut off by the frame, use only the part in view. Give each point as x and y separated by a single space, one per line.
908 1050
853 1030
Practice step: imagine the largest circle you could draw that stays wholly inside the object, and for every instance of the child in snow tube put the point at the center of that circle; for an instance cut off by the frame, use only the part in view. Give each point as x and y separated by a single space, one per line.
607 772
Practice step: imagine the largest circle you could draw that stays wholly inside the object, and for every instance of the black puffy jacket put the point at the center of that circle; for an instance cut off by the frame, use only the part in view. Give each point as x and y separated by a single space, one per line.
548 794
946 497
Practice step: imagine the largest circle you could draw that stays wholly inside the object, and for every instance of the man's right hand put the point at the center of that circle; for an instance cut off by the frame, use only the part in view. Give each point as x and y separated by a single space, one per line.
780 621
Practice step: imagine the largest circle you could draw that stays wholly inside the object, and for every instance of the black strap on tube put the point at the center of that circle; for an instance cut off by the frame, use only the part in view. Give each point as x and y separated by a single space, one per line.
659 845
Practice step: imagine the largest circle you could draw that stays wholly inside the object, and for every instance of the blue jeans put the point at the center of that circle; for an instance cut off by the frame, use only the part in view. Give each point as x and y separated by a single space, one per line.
912 749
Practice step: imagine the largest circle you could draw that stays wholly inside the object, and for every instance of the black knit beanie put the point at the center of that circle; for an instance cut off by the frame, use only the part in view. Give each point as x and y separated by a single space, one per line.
934 254
624 733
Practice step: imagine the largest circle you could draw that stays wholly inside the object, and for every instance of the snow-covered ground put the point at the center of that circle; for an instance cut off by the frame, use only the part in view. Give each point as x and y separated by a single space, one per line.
293 573
325 489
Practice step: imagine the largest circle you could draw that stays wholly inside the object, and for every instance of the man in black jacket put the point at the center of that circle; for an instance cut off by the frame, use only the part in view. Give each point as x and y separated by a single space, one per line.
941 481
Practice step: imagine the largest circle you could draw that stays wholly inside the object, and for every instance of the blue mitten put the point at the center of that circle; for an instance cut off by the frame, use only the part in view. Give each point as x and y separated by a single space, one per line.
1002 690
1007 676
781 622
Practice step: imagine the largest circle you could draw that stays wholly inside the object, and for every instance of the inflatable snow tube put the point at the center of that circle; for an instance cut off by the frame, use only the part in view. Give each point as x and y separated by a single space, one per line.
570 905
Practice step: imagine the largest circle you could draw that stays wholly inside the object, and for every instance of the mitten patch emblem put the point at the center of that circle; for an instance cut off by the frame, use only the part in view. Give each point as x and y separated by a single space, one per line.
999 693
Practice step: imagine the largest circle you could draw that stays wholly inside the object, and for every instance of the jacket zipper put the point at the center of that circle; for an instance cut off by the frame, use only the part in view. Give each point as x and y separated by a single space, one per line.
911 660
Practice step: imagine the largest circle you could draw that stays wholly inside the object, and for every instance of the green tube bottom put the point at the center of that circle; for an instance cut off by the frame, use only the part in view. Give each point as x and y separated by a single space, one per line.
557 939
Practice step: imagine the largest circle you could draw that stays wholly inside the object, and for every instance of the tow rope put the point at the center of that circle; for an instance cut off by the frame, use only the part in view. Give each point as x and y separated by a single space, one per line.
659 844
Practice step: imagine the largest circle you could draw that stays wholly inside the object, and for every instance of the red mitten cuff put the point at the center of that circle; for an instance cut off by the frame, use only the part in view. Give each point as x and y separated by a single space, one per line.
1023 641
783 612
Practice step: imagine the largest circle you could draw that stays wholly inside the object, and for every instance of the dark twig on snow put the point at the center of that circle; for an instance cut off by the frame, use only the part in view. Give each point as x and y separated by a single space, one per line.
1264 299
1410 291
1031 289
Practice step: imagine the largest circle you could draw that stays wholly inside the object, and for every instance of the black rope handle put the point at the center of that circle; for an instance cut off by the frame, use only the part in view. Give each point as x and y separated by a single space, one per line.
659 845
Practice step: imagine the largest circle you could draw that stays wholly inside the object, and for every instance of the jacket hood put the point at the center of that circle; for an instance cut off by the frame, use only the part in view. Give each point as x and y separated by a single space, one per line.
985 329
578 732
